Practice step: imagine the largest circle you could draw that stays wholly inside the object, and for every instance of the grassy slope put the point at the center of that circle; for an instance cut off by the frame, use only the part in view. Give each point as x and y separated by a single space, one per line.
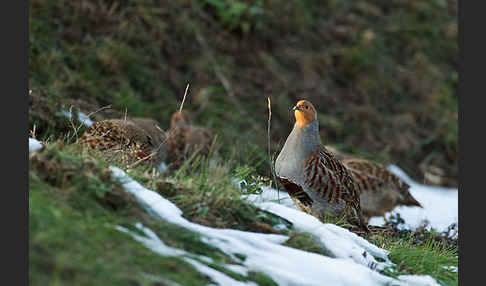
73 214
73 238
383 74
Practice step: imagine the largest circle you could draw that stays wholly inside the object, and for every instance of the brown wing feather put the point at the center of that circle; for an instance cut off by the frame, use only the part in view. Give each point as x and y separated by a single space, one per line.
377 174
339 183
327 175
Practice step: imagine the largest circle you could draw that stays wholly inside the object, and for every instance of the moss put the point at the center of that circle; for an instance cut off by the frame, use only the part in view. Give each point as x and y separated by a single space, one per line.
306 242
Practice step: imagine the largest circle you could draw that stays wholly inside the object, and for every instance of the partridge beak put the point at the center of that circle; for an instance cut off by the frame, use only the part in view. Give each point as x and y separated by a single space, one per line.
296 108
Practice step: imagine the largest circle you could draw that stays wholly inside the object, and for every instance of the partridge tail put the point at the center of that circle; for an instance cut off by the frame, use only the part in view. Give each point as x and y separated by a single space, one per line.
411 201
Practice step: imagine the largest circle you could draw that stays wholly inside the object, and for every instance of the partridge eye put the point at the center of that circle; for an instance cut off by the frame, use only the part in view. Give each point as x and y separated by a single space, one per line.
306 107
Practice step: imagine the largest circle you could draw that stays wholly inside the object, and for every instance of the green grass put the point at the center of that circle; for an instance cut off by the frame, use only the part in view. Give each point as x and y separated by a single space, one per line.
72 236
426 257
73 214
205 190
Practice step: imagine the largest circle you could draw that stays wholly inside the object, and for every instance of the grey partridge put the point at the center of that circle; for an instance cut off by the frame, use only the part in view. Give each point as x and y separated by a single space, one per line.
126 140
380 190
185 139
312 176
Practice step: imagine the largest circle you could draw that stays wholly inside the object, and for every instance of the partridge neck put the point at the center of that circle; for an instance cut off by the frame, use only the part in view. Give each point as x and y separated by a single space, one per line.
309 137
299 146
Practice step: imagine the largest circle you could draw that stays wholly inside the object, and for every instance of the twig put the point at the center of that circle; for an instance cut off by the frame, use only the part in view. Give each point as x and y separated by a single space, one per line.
272 168
184 98
141 160
96 111
76 129
123 133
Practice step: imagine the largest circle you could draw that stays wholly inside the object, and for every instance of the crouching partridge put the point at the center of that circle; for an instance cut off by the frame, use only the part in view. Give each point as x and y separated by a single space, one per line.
126 140
317 181
380 190
184 139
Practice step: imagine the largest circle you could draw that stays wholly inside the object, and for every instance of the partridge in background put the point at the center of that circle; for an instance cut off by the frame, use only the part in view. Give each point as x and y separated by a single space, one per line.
312 176
126 140
380 190
184 139
338 154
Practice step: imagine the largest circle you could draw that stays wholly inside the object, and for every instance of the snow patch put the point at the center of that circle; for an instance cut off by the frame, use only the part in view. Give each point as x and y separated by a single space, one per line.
340 242
417 280
34 145
271 195
83 118
263 252
216 276
153 242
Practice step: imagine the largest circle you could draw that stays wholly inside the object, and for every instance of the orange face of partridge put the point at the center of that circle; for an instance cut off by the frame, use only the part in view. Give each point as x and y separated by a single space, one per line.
304 113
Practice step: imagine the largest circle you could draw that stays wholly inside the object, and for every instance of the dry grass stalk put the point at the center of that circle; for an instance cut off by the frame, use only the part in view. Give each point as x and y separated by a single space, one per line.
75 129
184 98
169 132
141 160
98 110
272 168
32 132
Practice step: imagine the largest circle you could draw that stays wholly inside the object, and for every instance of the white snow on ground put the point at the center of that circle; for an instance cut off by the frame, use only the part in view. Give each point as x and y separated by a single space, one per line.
416 280
34 145
263 252
83 118
153 242
216 276
271 195
440 205
340 242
